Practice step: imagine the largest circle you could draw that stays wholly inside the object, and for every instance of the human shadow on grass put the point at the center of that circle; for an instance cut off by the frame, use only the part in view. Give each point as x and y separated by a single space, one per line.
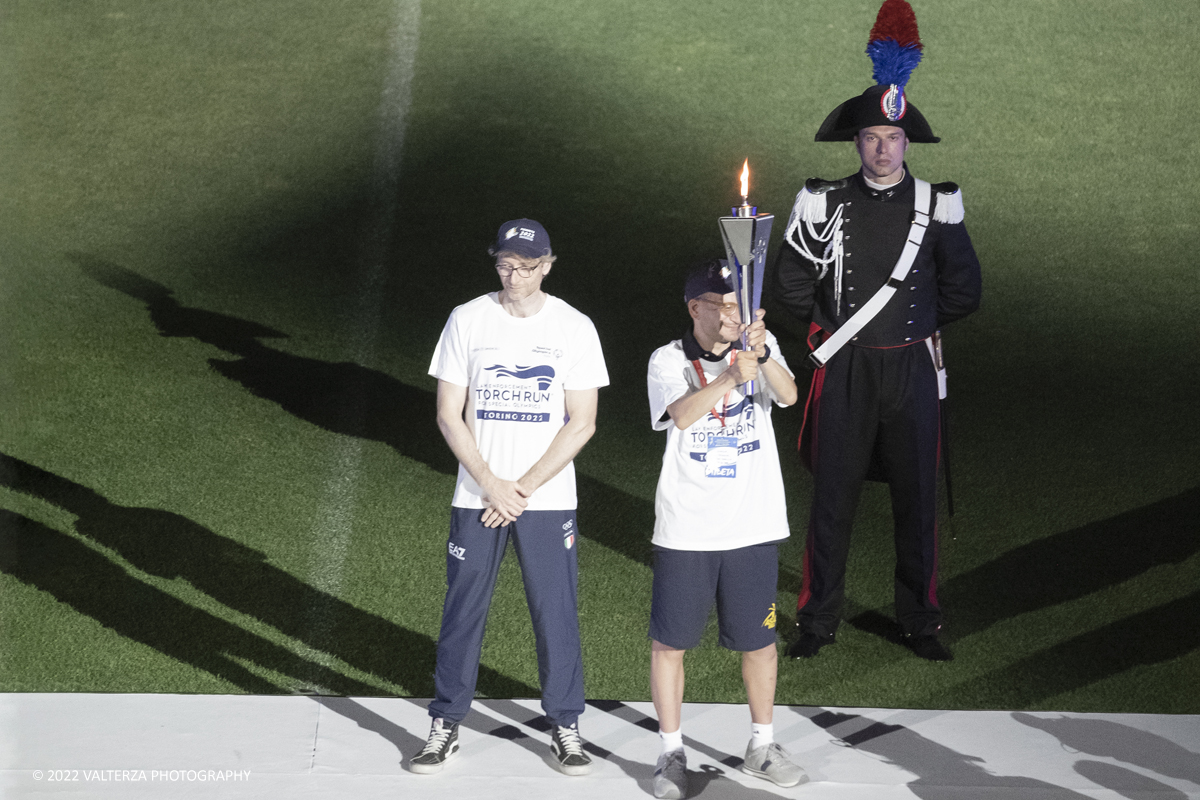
1153 636
1060 568
168 545
1076 563
343 398
942 772
93 585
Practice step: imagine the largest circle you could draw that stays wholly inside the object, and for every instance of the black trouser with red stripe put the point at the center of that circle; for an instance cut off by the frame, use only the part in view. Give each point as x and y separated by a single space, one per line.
874 410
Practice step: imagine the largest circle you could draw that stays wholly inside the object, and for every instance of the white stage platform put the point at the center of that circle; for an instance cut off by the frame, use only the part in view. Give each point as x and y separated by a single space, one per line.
187 746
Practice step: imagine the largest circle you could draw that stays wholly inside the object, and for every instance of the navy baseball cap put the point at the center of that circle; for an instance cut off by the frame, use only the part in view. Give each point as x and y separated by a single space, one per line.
707 276
525 237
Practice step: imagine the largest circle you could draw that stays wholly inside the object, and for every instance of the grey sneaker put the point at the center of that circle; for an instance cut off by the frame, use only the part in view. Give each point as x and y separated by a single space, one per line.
670 775
773 763
441 747
567 749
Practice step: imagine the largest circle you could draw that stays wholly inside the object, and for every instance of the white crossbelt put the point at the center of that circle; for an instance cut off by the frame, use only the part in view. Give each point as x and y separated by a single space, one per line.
916 233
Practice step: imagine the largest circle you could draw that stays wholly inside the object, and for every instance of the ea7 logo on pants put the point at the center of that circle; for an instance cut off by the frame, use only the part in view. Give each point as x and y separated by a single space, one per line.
458 552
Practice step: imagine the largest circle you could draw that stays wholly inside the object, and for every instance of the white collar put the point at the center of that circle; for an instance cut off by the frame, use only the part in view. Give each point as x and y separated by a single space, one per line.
879 187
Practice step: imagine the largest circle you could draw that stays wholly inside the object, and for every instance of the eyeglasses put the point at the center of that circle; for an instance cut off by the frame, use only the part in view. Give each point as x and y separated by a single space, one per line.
524 272
726 309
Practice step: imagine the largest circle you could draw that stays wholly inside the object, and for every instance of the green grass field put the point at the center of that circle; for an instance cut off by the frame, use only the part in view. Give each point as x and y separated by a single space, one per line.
232 233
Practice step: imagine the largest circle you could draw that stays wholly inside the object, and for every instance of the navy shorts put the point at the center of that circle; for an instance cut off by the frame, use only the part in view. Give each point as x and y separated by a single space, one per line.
742 581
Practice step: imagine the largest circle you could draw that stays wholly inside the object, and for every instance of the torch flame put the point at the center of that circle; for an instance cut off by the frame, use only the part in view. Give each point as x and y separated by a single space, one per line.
746 179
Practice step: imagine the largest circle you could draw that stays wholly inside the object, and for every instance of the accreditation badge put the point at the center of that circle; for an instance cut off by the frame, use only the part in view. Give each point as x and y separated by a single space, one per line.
721 459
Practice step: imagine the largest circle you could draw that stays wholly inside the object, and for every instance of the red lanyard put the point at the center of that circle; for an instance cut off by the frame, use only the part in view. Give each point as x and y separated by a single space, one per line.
704 382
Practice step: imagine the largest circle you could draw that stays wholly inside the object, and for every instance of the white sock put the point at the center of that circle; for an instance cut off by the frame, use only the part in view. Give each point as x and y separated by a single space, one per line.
761 734
672 741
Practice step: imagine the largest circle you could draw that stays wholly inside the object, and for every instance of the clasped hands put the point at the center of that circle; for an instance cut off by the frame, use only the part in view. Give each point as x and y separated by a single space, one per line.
505 501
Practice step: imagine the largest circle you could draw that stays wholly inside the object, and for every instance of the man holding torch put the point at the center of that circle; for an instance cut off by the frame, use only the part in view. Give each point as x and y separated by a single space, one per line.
719 515
876 268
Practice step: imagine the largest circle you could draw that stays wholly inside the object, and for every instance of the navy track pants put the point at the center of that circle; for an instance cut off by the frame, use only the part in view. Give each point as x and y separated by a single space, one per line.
545 542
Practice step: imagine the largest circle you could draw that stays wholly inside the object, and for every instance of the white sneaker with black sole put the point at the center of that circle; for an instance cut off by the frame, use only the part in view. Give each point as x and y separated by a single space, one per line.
441 747
567 748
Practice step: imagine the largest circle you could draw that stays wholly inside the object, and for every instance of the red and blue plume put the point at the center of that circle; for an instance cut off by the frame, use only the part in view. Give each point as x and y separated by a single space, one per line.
894 44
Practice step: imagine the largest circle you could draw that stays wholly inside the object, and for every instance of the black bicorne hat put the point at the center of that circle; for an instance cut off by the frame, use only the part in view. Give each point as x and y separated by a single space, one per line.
869 109
894 46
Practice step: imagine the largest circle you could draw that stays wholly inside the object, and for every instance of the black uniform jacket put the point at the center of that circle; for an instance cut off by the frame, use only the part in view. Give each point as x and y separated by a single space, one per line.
943 284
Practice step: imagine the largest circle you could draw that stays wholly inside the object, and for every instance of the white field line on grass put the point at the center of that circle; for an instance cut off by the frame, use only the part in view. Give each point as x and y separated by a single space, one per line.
333 527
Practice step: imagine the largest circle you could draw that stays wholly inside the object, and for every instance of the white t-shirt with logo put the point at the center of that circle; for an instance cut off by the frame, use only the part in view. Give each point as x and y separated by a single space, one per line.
516 370
720 487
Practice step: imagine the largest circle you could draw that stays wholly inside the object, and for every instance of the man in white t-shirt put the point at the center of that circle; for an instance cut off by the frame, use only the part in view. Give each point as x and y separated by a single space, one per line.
719 515
518 372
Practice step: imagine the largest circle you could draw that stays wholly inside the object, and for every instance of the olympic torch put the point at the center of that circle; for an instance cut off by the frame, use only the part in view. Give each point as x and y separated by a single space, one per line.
746 234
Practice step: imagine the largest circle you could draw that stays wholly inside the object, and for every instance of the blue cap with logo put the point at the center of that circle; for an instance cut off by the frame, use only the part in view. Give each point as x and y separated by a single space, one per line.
525 237
707 276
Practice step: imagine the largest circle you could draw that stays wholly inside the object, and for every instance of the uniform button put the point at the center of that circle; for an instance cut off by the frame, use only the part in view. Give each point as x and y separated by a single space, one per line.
854 339
848 202
914 305
910 322
849 272
908 340
912 288
915 271
846 236
851 289
852 305
847 255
